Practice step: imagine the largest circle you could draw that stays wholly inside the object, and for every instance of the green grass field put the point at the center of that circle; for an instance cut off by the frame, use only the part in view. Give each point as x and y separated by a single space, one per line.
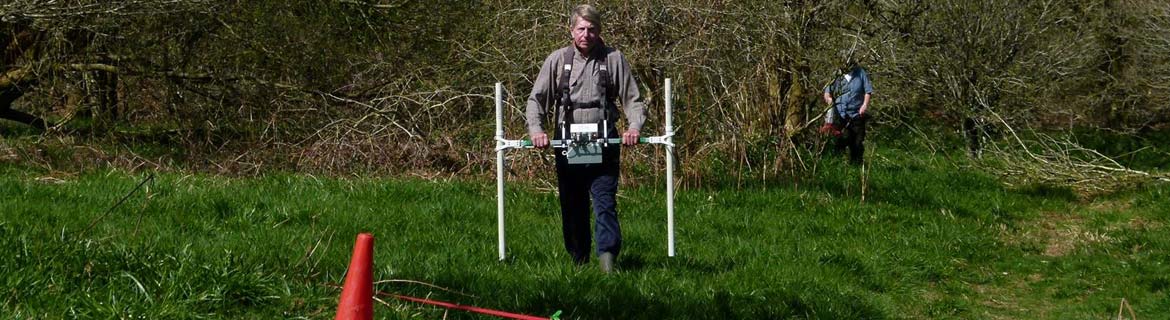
932 240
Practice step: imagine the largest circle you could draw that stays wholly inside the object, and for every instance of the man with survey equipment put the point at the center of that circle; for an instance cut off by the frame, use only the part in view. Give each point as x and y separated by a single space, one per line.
583 84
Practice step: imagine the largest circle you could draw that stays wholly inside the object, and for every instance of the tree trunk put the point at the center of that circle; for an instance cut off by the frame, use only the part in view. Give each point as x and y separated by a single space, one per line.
107 83
795 112
775 97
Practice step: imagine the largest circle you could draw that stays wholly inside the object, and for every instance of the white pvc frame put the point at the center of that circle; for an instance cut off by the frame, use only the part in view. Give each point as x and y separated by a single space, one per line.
502 145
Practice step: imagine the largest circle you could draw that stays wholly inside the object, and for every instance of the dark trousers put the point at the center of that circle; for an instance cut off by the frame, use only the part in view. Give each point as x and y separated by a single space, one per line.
852 137
578 184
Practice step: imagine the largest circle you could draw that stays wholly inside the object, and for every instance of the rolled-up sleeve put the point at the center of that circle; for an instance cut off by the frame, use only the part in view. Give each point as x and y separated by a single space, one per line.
868 86
631 98
542 93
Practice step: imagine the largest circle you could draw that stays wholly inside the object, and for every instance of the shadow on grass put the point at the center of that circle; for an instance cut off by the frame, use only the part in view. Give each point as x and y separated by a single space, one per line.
638 263
624 300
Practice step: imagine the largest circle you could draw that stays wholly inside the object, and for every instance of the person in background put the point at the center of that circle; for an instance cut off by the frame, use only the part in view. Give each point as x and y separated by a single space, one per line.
849 95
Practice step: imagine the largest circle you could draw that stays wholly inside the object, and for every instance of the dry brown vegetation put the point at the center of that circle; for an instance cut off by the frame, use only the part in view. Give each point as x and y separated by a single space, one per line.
388 87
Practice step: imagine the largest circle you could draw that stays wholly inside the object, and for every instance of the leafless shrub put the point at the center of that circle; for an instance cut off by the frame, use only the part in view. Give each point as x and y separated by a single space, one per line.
371 86
1047 160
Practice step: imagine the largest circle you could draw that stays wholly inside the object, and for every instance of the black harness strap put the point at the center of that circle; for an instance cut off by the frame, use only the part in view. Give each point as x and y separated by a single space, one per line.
563 81
564 103
603 72
564 88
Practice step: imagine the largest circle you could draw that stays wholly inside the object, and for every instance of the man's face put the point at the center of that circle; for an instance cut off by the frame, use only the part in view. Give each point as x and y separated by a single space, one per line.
585 35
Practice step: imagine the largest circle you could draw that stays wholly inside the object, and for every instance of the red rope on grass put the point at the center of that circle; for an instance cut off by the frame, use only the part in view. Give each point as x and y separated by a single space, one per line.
448 305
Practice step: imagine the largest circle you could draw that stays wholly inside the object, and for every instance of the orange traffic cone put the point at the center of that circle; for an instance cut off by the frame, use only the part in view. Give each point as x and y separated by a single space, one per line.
357 296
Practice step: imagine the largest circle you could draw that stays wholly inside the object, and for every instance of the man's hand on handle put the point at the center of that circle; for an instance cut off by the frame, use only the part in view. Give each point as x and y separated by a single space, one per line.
540 140
630 137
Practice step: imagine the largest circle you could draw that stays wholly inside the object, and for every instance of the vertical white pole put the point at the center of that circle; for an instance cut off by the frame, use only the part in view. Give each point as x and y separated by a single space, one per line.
669 178
500 166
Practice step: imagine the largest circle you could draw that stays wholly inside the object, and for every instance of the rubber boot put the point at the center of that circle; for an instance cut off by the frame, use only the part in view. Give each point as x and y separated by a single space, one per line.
607 262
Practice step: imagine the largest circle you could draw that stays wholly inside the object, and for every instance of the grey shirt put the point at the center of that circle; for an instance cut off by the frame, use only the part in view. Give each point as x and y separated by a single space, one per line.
583 88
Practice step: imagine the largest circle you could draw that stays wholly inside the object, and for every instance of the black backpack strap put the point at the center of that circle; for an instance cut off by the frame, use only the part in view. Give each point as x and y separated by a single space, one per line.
603 74
563 80
604 83
562 103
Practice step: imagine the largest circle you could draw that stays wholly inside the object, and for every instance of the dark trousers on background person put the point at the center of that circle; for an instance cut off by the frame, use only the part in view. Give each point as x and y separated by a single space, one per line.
577 184
852 138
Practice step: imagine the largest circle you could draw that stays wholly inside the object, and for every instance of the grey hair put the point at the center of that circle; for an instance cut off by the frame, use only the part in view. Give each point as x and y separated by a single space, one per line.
584 12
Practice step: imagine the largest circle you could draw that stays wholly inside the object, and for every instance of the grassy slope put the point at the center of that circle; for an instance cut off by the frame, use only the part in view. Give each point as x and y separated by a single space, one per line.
932 240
